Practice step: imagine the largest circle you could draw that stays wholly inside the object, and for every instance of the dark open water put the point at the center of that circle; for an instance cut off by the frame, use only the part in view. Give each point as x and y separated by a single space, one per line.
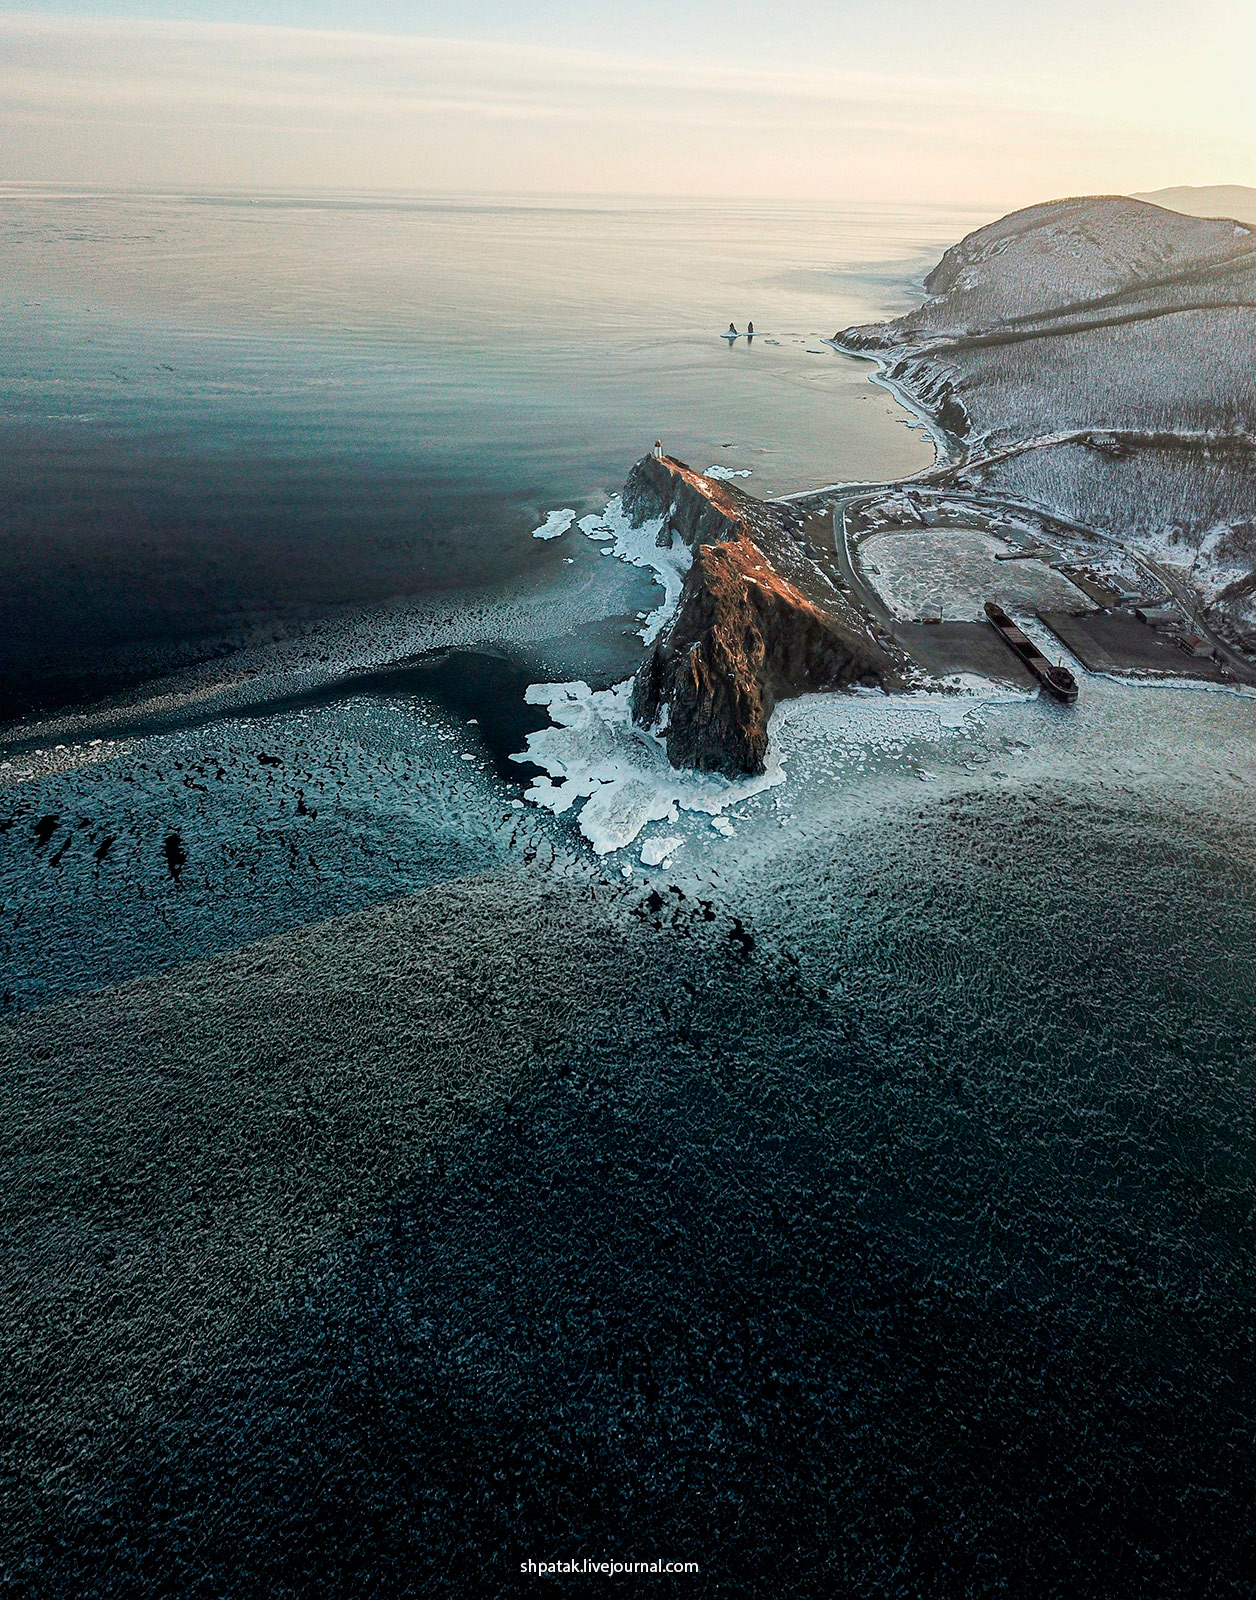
393 1192
223 417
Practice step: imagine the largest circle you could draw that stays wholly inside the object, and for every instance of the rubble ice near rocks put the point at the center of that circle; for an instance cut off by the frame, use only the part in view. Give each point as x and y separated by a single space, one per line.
639 546
596 753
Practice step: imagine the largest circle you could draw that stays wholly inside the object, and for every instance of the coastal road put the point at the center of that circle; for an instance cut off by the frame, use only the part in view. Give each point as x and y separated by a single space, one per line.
1191 604
828 546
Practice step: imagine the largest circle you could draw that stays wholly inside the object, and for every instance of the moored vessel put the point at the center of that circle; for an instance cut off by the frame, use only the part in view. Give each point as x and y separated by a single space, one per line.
1057 680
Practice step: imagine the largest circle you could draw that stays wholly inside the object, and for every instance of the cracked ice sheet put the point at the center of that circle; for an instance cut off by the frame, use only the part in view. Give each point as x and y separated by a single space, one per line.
874 723
597 754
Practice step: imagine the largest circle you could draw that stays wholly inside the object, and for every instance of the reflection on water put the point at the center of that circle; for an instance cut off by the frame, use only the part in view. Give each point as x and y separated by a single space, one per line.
881 1216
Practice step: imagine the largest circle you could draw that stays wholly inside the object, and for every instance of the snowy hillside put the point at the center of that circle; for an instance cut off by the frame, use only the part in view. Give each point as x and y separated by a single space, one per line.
1066 255
1095 357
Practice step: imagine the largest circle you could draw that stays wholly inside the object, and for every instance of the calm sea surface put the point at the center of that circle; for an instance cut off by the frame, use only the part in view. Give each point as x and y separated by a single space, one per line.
222 415
391 1191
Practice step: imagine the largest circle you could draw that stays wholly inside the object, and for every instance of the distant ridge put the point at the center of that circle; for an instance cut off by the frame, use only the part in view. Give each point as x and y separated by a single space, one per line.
1207 200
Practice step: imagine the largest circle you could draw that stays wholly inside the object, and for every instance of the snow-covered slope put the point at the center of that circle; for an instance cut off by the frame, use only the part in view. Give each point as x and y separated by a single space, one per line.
1095 357
1067 255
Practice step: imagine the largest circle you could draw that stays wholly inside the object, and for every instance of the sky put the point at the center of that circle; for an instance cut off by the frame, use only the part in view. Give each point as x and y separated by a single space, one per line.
986 102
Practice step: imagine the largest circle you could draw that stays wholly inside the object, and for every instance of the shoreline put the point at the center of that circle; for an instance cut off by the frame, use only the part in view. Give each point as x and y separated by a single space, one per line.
943 445
952 456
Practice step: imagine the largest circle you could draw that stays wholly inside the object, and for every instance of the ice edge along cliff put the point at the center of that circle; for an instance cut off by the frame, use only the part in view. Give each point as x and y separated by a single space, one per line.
756 623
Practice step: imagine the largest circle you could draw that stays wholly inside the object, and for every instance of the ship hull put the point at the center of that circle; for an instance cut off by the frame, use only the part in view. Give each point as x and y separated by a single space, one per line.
1059 682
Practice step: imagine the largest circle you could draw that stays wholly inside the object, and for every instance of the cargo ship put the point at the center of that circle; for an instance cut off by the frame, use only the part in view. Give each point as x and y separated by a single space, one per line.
1058 681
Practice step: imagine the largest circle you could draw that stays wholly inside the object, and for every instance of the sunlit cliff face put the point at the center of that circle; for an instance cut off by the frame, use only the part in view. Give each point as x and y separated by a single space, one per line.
900 101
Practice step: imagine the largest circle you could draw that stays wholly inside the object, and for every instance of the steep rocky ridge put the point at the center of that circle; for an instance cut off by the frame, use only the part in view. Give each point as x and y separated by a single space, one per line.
757 622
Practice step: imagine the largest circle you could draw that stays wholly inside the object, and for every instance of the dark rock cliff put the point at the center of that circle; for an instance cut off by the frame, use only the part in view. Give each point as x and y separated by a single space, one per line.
757 623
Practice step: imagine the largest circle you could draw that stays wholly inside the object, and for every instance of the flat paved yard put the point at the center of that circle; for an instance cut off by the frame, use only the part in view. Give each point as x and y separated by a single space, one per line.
1114 641
946 647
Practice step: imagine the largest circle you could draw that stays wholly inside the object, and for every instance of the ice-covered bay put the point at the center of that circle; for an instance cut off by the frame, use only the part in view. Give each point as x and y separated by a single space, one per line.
952 572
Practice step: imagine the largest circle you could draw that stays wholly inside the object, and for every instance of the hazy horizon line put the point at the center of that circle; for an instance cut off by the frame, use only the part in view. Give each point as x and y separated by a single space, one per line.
473 192
197 102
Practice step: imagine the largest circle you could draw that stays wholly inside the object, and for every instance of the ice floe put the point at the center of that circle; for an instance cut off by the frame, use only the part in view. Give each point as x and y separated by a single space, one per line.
722 474
656 851
555 525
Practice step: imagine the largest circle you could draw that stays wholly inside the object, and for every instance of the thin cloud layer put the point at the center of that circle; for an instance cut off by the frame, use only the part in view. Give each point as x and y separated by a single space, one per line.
146 101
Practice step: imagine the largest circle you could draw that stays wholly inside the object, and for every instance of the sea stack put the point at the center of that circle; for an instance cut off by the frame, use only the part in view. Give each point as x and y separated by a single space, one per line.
757 622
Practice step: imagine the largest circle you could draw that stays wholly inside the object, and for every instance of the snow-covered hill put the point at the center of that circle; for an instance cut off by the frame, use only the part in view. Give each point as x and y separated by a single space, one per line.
1096 357
1069 256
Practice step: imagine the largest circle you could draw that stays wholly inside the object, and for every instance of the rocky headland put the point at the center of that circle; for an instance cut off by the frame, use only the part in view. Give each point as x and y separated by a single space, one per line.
757 622
1085 368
